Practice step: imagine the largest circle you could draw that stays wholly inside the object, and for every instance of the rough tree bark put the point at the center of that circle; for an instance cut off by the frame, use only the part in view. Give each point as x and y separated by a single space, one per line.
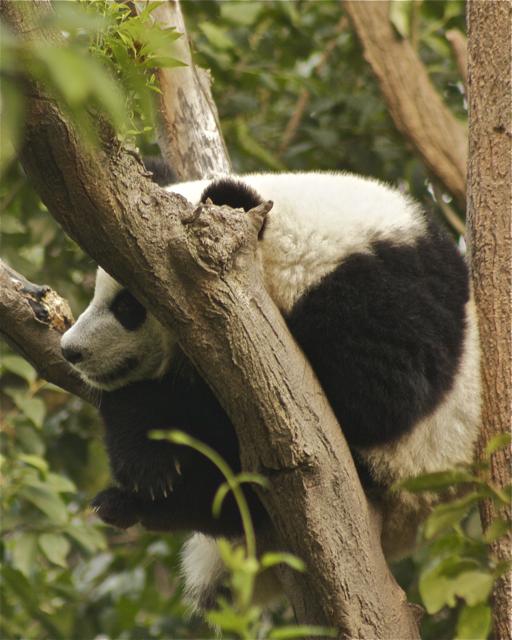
197 272
186 107
32 320
490 245
415 106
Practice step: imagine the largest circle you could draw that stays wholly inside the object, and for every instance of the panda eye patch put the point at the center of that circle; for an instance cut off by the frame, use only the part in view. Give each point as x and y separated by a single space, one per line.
127 310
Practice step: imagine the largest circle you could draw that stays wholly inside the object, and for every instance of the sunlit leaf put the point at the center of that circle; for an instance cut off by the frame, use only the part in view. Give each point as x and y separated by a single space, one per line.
47 501
34 461
18 365
440 585
23 547
87 537
243 13
474 622
400 15
496 530
449 513
496 443
438 480
216 35
272 558
55 547
33 408
59 483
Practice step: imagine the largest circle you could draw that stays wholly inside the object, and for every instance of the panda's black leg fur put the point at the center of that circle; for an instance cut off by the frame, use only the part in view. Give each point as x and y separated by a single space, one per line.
117 507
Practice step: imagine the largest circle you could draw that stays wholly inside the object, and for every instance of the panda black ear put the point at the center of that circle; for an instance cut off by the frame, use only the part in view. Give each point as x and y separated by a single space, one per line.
235 193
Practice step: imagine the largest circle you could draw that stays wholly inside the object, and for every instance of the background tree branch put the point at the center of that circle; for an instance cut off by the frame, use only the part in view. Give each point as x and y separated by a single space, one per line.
198 274
490 242
32 320
190 136
414 104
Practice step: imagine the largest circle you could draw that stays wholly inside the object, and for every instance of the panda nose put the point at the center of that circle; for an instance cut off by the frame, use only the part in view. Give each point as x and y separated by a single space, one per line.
72 355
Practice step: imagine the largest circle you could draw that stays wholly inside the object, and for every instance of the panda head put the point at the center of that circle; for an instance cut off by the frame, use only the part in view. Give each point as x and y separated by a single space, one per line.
115 341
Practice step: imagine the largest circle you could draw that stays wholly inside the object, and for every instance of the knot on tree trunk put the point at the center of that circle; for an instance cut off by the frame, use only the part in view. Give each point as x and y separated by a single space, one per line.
221 235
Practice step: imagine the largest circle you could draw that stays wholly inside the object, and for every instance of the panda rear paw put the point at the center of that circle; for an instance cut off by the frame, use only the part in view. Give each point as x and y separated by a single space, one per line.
116 507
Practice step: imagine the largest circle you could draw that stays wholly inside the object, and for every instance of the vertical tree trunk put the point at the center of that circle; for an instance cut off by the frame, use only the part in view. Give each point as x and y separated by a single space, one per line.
489 224
189 132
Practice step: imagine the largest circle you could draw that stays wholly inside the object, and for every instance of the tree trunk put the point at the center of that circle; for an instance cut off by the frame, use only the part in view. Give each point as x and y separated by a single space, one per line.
189 132
414 104
198 273
489 224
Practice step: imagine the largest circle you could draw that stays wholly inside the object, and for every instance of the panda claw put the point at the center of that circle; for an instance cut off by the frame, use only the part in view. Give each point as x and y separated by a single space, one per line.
177 466
152 493
165 492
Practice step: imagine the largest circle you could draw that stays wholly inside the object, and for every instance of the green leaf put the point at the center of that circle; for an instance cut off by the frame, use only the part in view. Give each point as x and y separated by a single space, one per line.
87 537
46 501
34 461
68 70
242 13
400 16
474 586
495 443
496 530
253 148
59 483
441 584
55 547
447 514
216 36
271 559
33 408
20 585
18 365
301 631
474 622
23 548
78 78
11 224
13 113
438 480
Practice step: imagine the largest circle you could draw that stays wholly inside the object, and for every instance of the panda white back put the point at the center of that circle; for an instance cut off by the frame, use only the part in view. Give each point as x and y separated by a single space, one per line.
317 220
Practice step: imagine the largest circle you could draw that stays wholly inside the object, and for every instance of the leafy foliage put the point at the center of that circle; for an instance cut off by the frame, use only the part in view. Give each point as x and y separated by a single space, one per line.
240 615
455 565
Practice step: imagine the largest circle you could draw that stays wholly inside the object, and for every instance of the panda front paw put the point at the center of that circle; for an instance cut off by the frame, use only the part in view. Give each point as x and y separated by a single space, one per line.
117 507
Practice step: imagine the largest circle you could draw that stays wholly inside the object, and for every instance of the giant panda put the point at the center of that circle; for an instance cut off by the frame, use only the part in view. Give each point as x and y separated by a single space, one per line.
378 298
